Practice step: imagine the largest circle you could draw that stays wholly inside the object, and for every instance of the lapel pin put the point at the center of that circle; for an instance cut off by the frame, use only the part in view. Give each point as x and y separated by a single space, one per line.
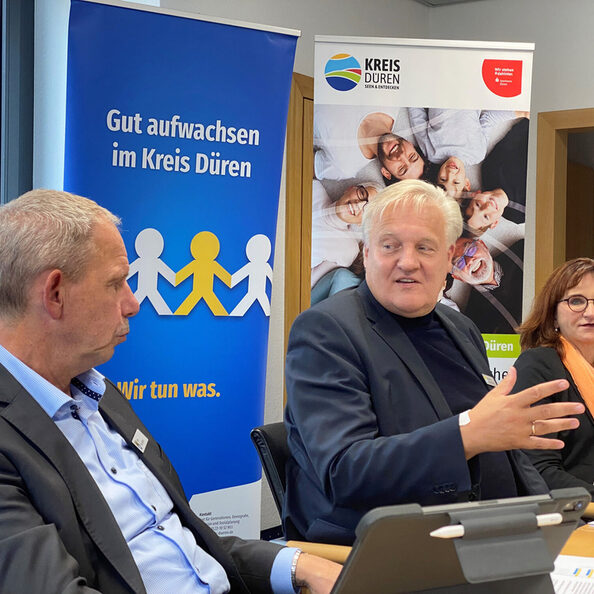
140 440
489 380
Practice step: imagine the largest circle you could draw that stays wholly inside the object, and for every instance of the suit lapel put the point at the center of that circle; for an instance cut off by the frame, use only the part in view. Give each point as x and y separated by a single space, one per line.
386 326
116 411
470 351
23 412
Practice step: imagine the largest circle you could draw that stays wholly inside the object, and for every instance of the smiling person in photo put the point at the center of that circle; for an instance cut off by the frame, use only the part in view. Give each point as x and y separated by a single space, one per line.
473 264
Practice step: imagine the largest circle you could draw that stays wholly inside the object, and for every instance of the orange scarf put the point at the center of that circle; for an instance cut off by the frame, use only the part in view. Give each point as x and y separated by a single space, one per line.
581 371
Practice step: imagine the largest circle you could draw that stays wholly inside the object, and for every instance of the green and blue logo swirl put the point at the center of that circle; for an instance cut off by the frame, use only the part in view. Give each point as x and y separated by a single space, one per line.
342 72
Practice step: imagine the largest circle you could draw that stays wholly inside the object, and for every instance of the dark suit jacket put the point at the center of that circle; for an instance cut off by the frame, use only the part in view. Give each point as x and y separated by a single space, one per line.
57 533
506 167
573 466
367 423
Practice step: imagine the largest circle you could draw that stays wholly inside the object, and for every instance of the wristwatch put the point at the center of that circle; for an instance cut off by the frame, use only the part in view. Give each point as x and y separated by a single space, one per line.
294 570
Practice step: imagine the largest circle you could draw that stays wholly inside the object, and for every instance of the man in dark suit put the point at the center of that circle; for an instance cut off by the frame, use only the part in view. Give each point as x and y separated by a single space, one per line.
506 166
389 396
88 500
498 309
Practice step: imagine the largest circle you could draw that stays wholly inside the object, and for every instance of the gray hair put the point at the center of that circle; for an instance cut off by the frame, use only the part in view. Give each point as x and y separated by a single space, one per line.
44 230
497 276
419 194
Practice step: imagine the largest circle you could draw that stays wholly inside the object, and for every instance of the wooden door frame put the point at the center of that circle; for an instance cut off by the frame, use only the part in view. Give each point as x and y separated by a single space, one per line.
298 202
551 186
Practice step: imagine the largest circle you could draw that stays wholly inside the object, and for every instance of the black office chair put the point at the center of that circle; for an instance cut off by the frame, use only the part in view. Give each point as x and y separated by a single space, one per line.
271 443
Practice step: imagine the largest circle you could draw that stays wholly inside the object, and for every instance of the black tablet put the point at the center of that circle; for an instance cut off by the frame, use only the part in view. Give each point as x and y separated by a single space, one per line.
502 550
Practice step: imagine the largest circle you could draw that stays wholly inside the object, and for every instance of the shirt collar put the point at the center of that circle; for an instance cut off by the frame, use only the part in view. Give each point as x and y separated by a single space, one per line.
46 394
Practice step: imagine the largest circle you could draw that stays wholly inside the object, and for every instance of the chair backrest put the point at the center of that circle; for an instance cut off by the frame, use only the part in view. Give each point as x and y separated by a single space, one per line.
271 442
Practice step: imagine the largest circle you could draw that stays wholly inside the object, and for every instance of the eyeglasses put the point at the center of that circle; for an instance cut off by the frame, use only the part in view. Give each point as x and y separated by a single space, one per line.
577 303
470 250
362 194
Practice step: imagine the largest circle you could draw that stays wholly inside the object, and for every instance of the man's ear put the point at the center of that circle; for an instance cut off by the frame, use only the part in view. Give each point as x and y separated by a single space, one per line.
451 251
386 173
53 293
451 267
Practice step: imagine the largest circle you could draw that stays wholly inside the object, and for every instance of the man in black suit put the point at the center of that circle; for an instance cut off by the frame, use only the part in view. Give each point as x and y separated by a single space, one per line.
495 301
389 395
88 500
506 166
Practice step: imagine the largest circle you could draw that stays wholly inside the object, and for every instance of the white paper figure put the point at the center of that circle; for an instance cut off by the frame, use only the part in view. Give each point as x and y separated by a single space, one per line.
257 271
149 246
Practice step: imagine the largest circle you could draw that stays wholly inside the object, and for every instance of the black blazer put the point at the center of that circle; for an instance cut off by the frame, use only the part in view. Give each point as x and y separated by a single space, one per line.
573 466
506 167
367 423
57 533
499 310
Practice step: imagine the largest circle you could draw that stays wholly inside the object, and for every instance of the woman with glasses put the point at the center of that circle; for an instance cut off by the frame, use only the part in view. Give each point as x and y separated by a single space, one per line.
557 341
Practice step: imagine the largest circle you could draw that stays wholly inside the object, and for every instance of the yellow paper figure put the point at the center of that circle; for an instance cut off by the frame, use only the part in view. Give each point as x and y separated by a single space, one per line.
205 248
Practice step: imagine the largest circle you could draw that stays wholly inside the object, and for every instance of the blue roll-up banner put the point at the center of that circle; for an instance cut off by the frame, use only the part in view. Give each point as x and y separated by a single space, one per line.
177 125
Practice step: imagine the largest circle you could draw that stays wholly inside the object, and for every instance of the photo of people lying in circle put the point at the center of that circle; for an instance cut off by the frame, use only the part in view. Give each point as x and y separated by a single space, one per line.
478 157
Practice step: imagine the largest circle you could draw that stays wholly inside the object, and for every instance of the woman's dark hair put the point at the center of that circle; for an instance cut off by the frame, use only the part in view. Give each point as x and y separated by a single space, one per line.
430 173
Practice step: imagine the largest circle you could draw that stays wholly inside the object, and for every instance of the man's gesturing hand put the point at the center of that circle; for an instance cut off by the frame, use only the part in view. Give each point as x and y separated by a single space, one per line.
503 421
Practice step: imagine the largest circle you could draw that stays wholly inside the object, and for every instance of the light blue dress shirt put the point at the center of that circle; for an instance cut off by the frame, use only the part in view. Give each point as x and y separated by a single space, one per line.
166 553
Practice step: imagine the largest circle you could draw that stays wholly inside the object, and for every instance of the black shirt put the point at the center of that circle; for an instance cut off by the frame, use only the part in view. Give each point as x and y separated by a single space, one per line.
462 388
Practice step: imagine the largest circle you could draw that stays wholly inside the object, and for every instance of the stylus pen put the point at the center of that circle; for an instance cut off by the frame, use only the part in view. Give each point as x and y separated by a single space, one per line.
457 530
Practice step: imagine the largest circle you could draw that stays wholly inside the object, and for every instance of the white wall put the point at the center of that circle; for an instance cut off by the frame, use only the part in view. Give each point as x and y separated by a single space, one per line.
563 73
49 118
383 18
